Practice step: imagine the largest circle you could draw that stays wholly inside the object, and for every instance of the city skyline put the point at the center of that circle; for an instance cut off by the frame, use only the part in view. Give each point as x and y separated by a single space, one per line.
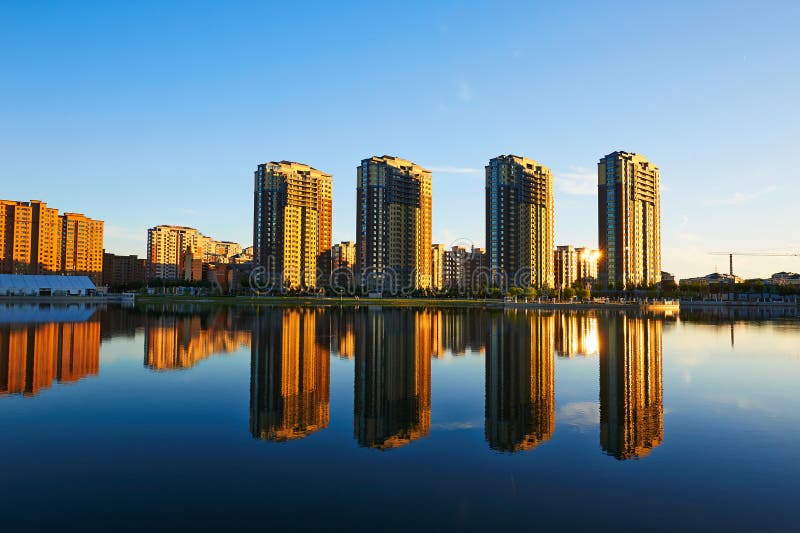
178 120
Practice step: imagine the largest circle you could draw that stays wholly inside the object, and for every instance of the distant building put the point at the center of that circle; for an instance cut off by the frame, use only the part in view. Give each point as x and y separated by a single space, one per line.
192 266
82 246
34 239
668 280
587 265
121 270
785 278
565 263
292 222
712 279
454 268
437 266
393 224
574 266
629 207
343 255
168 245
519 221
465 269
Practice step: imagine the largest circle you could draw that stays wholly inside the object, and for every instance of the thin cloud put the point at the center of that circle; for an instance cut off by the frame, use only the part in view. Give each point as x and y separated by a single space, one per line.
456 170
579 181
465 93
741 197
684 234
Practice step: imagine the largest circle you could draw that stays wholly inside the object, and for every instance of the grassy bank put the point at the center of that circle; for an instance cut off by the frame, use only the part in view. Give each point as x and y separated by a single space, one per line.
318 302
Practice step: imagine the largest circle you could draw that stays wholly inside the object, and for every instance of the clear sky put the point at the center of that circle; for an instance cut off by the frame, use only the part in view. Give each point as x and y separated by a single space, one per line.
147 113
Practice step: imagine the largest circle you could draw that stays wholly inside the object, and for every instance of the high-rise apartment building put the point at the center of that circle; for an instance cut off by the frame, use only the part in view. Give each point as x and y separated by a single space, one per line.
29 238
393 224
169 246
629 221
82 246
292 222
519 221
34 239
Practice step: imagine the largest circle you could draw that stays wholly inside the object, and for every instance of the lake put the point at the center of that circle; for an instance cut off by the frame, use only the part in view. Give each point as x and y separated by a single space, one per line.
184 416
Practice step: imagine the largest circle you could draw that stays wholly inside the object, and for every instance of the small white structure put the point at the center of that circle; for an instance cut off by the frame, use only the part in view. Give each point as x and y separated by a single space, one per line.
23 285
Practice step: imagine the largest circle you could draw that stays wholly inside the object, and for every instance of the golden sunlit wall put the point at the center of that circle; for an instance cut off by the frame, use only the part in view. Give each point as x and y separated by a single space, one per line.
82 246
393 224
437 266
629 211
631 389
290 374
520 220
520 380
34 239
32 357
292 221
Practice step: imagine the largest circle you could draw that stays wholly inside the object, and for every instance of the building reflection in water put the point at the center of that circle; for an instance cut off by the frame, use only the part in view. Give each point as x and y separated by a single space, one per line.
392 376
576 334
174 341
33 356
343 336
290 374
631 392
520 380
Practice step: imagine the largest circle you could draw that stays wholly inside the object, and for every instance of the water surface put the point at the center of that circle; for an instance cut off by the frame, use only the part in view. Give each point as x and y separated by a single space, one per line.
401 419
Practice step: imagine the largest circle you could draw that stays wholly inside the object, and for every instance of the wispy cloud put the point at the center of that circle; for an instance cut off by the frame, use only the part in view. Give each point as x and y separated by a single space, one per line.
684 234
456 170
579 180
465 93
741 197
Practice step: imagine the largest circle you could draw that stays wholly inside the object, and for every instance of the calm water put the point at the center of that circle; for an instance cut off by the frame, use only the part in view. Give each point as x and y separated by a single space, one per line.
401 419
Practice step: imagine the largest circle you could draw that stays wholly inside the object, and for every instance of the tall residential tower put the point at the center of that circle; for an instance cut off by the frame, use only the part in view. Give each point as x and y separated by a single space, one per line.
393 224
292 222
519 221
629 221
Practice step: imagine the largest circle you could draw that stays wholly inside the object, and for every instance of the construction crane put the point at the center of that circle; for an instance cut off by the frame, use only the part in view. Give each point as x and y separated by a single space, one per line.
758 254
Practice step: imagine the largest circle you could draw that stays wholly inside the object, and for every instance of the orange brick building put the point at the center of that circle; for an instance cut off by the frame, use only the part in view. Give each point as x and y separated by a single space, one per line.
34 239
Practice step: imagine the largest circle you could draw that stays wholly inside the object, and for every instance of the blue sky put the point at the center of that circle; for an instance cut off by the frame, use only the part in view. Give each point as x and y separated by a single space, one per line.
146 113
